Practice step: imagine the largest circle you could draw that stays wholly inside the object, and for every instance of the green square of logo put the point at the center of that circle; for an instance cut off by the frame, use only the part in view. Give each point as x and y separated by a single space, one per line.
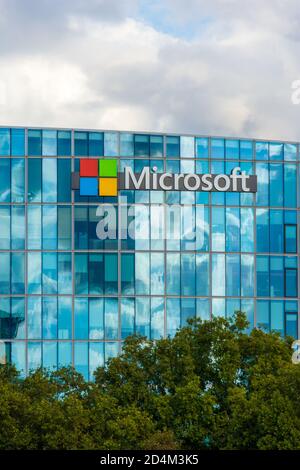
108 168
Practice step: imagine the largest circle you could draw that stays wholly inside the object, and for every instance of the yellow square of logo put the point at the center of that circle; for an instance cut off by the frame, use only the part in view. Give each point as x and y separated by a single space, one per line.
108 186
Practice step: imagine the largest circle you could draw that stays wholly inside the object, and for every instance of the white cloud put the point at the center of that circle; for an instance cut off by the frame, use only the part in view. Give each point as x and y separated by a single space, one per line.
103 64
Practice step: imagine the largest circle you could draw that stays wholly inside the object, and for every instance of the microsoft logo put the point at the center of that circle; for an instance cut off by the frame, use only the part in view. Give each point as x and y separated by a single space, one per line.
98 177
101 178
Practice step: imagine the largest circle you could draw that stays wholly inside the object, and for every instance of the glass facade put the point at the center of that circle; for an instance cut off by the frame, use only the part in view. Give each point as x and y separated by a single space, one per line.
68 297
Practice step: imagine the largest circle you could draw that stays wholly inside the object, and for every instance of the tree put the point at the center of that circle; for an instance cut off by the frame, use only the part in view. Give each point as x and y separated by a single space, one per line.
212 386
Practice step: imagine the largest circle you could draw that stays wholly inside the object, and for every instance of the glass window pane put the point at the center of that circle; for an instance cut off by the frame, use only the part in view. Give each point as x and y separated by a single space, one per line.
291 282
127 317
34 317
262 315
34 356
34 227
111 318
81 143
4 142
201 147
172 146
156 146
246 149
34 142
96 357
290 185
64 318
262 276
95 144
64 180
202 274
96 318
276 276
49 227
218 274
126 145
127 274
17 180
49 179
64 143
111 144
4 180
187 147
290 238
34 272
34 180
81 361
81 318
290 152
17 273
157 317
4 227
49 143
49 317
18 142
64 354
217 148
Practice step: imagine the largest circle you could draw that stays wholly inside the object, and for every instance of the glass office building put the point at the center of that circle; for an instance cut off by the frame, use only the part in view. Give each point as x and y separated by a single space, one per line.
68 297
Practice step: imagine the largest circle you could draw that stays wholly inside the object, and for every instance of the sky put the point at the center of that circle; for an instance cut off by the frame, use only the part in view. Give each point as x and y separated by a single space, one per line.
218 67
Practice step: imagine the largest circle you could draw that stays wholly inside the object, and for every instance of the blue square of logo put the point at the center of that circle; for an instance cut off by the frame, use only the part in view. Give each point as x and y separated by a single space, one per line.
88 187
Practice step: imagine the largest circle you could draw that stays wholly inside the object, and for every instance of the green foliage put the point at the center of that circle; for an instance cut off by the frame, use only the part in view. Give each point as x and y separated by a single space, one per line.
212 386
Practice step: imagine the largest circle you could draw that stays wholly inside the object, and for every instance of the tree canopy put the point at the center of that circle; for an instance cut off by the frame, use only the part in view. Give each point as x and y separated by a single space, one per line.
211 386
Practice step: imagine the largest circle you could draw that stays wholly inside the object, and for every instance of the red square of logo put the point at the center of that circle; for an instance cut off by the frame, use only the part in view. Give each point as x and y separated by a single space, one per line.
88 167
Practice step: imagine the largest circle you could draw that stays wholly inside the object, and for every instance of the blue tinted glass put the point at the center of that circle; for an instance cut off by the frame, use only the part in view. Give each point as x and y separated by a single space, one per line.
290 241
111 318
217 148
141 145
290 152
291 325
64 320
81 316
247 275
64 180
50 355
49 317
276 276
173 316
218 229
96 357
4 273
34 317
262 276
127 274
49 179
96 318
277 316
34 224
188 280
218 274
156 146
187 147
64 354
81 358
201 147
276 184
232 229
290 185
261 151
291 282
34 272
172 146
276 151
232 149
4 142
142 314
157 317
81 273
157 274
34 356
49 227
17 227
34 142
262 195
81 143
246 149
18 356
4 180
64 264
173 274
111 144
126 145
203 309
18 142
17 180
4 227
127 317
233 275
202 274
63 143
49 273
276 230
263 315
17 273
49 143
247 230
95 144
18 317
142 273
34 180
64 227
262 230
